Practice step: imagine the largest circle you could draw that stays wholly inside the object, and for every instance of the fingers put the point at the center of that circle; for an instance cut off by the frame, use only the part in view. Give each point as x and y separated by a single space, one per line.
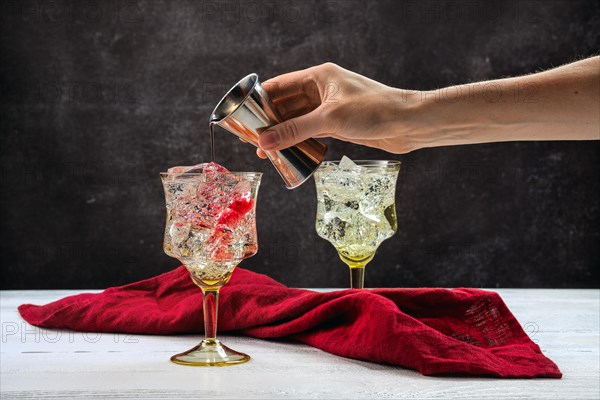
297 96
295 84
292 131
295 108
261 154
286 85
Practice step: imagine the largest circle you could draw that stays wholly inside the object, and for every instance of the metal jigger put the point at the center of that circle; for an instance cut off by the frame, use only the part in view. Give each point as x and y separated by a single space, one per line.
246 111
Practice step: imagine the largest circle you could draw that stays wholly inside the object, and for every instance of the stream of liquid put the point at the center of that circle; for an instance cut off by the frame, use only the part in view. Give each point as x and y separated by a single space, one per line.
211 130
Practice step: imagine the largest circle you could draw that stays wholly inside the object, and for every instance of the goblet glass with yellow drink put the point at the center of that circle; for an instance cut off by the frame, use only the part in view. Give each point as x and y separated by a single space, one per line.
356 209
211 227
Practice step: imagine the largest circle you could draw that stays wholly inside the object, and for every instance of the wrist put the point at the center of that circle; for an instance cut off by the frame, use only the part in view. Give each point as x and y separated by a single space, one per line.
413 115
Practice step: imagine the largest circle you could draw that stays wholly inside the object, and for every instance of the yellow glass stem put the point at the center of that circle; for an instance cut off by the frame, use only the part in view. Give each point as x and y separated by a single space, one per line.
210 303
357 269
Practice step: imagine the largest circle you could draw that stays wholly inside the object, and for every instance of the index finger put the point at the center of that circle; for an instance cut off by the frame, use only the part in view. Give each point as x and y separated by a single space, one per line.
292 85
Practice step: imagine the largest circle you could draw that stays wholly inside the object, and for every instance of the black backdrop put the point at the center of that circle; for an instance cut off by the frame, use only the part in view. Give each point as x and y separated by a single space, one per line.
99 96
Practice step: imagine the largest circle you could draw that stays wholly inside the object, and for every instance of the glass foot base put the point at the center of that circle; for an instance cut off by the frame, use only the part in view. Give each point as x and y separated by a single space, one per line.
210 353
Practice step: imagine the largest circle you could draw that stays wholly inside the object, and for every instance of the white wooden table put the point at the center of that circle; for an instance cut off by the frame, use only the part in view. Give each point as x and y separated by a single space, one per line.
40 363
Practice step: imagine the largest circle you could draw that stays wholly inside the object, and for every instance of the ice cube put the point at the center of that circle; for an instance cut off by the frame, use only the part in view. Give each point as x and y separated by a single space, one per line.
347 164
218 244
217 173
215 197
210 172
203 168
370 214
179 231
214 168
342 185
185 169
205 217
242 189
198 238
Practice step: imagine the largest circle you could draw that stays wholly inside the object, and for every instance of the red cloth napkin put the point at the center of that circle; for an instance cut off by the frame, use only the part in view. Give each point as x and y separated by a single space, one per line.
435 331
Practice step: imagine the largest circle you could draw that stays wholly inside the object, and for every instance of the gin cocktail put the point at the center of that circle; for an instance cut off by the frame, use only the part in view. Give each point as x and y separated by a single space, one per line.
356 209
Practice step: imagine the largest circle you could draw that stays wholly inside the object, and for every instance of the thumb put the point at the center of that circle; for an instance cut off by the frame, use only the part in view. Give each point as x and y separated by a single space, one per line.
292 131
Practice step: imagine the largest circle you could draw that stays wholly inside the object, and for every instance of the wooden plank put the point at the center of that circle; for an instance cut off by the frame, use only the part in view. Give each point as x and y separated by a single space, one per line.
39 363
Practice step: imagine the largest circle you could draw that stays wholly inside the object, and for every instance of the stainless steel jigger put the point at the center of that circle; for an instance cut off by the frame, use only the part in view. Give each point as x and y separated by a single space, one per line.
246 111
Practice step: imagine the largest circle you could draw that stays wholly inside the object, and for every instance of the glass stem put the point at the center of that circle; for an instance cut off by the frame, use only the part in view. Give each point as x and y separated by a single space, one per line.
357 277
210 303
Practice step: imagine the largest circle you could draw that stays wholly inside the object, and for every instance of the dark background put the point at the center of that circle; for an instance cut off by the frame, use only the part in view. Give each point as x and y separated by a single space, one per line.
99 96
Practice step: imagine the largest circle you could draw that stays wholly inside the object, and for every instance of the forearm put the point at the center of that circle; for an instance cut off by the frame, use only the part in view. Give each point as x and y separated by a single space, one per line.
558 104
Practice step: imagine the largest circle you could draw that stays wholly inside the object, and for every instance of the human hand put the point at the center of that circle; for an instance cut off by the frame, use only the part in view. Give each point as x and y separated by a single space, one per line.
330 101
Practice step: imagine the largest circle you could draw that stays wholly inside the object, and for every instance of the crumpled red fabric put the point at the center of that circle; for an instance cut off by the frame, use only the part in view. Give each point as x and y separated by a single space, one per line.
432 330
